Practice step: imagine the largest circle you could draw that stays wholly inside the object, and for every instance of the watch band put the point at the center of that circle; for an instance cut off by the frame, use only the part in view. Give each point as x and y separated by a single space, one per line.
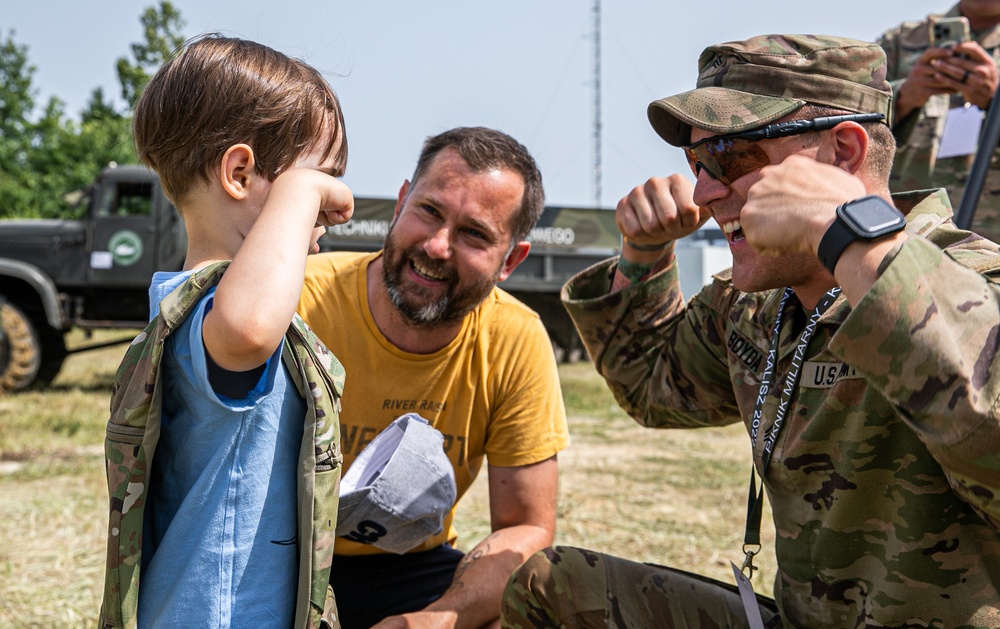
833 243
867 218
645 248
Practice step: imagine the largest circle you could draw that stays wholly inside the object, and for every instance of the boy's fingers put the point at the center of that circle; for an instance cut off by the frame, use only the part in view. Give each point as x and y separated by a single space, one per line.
339 199
329 218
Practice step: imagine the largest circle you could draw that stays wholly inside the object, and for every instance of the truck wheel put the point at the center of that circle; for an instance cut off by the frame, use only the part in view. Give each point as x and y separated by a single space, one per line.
575 351
559 352
53 354
23 349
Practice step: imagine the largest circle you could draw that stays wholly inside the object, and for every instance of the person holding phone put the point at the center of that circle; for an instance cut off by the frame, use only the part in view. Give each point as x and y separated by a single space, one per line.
943 73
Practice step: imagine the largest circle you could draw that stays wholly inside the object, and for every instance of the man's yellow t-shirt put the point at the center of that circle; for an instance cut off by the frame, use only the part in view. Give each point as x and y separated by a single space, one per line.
494 390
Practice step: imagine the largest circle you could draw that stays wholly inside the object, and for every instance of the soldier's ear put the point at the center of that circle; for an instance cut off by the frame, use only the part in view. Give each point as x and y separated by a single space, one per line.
237 171
844 146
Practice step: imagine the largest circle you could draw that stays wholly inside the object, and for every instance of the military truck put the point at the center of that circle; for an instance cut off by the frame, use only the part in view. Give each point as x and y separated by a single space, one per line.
94 273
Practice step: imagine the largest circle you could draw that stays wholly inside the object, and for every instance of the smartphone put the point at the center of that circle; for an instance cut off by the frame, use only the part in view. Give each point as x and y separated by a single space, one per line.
948 31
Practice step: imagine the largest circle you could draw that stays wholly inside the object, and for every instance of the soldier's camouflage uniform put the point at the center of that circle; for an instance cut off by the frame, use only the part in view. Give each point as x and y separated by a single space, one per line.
883 481
919 134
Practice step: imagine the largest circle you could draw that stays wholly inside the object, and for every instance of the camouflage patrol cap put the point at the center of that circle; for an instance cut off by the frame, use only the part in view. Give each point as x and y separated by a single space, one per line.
743 85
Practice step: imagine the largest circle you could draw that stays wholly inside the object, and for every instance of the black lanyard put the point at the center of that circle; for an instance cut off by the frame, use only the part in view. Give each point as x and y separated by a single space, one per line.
755 499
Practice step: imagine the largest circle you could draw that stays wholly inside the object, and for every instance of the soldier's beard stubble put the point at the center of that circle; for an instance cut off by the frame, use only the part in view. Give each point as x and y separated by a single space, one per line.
426 308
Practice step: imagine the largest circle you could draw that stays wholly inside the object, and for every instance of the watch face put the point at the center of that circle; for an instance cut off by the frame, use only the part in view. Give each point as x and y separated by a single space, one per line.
872 216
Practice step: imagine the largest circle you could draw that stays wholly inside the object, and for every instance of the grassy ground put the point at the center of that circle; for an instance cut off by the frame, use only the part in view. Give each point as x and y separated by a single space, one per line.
670 497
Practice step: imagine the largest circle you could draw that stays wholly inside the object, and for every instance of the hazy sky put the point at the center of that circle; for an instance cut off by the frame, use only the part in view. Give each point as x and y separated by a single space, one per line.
406 70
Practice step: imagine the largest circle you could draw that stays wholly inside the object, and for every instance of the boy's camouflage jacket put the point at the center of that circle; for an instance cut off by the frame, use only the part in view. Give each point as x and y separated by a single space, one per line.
134 429
884 481
918 135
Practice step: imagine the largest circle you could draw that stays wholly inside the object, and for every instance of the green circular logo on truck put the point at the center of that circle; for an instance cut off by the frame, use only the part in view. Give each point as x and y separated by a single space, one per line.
125 247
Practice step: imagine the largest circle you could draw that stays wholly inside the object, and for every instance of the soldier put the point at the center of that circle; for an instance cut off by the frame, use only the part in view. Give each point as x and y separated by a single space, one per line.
873 416
931 83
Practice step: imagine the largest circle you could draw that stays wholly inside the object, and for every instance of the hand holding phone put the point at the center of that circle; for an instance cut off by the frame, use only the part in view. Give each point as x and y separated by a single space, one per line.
945 32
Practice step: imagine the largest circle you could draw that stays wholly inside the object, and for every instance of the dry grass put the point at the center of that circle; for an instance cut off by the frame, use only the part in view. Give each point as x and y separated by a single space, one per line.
669 497
53 497
52 560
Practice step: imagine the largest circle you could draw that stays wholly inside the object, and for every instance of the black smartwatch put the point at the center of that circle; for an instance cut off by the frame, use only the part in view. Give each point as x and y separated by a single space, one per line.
866 218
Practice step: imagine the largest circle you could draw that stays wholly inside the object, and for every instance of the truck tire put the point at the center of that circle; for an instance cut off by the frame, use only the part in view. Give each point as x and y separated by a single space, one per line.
575 352
559 352
28 355
568 348
53 354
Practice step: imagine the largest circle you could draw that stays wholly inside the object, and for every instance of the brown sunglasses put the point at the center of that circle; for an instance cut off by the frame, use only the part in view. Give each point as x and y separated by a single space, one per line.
729 157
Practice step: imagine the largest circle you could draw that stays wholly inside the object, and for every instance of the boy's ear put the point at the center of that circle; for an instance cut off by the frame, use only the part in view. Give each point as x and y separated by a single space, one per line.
237 171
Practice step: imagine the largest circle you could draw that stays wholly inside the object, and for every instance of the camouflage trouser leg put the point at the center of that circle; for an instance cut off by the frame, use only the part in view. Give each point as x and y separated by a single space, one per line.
573 588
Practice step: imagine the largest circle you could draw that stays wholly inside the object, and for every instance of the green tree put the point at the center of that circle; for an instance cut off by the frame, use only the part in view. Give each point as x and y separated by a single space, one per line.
46 156
17 102
98 108
162 32
16 98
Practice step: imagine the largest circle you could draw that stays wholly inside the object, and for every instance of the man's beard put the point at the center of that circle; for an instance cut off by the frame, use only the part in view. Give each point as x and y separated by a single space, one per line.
420 306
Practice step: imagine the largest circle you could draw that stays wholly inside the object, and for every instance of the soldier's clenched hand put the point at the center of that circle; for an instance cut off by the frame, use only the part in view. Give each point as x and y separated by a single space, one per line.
659 211
793 203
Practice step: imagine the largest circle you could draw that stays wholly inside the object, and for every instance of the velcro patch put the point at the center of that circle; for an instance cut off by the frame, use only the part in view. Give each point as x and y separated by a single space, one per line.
745 351
816 375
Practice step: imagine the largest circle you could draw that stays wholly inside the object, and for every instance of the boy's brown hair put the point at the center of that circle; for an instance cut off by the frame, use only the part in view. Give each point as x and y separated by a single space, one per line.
220 91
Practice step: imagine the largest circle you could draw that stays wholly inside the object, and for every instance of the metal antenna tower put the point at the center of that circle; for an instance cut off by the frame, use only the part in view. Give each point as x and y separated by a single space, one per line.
598 168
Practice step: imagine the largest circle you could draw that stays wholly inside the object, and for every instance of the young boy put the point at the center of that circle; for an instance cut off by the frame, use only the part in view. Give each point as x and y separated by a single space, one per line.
247 142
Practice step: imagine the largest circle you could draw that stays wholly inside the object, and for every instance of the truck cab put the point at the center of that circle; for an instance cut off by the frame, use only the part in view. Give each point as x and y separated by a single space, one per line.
89 273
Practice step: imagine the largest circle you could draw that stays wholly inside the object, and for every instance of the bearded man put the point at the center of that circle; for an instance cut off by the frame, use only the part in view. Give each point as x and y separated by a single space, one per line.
421 327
